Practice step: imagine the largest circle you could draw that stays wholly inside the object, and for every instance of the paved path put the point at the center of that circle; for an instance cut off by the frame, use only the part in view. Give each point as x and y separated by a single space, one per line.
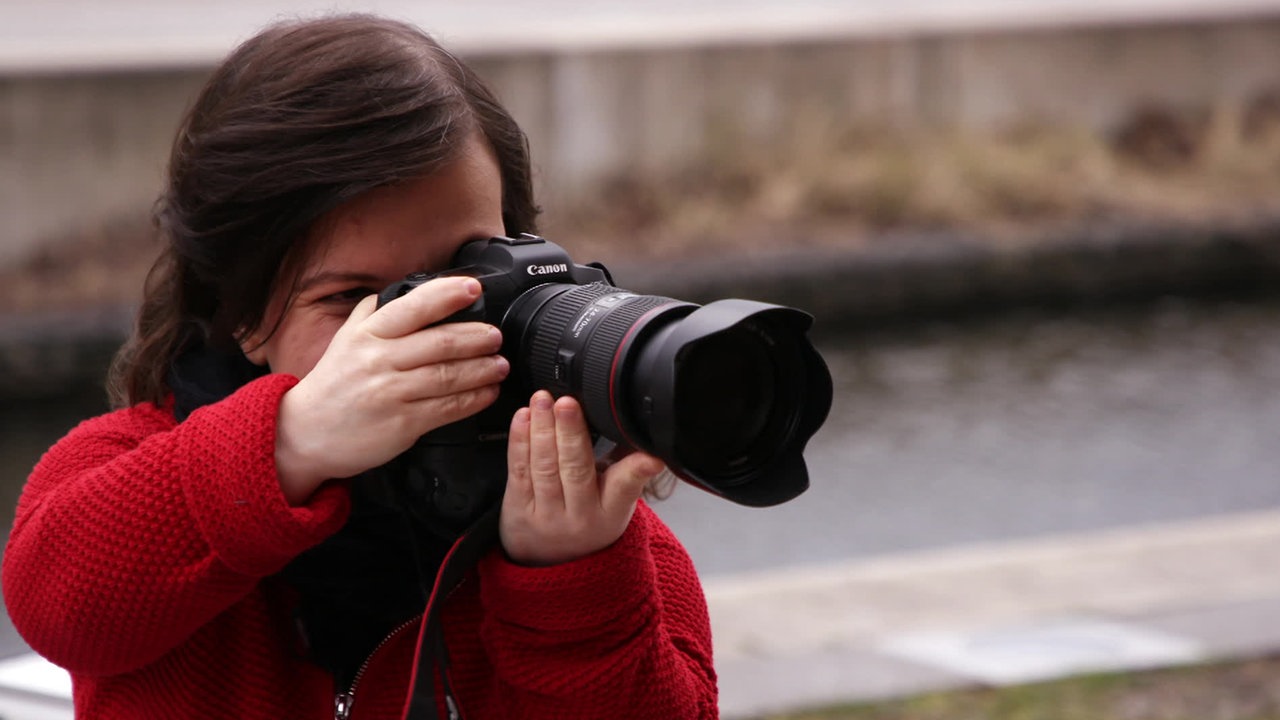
994 614
998 614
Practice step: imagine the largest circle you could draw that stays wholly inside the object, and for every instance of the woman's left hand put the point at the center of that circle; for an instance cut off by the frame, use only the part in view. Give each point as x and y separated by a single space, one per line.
557 507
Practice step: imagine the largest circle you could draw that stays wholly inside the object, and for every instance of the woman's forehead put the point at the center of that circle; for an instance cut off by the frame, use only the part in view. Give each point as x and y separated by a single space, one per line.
418 224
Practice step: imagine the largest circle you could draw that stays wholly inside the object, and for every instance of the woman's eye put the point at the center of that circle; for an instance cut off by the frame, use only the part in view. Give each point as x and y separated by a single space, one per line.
351 295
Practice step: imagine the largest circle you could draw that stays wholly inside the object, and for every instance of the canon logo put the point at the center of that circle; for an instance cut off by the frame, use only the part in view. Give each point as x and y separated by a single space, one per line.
547 269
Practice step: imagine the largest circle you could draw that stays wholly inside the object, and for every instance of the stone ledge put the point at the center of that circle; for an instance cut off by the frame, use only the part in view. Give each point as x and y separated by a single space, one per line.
916 276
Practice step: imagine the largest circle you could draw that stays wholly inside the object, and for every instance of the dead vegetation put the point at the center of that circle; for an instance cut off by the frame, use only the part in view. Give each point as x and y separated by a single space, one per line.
1162 164
836 184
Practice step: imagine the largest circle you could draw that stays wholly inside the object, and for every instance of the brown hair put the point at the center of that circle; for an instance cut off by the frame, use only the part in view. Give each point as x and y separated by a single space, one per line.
296 121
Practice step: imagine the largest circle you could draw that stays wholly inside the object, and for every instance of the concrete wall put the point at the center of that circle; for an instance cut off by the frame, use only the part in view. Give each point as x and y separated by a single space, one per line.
79 149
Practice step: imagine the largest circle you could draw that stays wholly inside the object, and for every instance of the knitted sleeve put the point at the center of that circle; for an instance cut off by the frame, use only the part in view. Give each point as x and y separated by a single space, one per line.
622 633
132 532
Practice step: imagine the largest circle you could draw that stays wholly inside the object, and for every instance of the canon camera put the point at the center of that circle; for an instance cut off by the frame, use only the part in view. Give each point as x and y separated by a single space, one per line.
727 393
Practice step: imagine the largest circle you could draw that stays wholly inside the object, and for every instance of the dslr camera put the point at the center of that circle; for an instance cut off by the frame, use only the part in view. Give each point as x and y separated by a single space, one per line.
727 393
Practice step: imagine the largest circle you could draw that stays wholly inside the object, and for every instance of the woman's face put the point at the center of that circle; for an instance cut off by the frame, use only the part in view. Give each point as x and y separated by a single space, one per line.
372 241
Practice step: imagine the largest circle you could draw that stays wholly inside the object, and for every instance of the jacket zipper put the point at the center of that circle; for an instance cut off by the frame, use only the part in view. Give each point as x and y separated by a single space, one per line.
343 702
450 704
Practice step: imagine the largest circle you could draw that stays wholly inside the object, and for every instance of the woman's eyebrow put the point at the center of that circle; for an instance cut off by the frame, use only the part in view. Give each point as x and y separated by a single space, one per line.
339 276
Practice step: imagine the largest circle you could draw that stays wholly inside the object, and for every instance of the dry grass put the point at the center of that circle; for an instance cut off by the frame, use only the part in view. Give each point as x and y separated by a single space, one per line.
105 264
836 184
1161 165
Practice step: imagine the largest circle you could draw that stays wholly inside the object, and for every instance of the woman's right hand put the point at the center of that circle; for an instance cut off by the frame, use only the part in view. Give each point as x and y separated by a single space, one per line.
386 379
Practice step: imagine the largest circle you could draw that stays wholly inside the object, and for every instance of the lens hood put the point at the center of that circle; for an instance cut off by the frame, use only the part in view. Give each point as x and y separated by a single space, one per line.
732 393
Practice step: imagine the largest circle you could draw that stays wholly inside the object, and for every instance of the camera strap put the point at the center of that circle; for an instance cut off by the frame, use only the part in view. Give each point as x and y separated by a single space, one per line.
432 657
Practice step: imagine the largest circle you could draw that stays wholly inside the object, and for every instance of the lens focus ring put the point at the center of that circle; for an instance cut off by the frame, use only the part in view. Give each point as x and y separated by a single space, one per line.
599 396
576 337
548 329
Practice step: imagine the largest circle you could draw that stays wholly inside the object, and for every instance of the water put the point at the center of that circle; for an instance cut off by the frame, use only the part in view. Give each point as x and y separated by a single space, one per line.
961 432
952 433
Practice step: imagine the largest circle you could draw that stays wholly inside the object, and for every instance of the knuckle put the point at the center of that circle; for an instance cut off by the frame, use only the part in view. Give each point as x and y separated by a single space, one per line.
576 473
453 405
446 344
545 466
444 374
366 357
518 468
381 385
404 426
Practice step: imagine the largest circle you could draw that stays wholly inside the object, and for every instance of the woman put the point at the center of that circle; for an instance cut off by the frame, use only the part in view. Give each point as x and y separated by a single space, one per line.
234 542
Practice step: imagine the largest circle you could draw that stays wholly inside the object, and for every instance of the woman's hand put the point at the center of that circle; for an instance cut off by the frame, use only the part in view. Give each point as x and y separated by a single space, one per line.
557 507
383 382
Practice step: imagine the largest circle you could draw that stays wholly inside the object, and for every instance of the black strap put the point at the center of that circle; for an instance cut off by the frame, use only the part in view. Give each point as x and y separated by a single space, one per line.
432 655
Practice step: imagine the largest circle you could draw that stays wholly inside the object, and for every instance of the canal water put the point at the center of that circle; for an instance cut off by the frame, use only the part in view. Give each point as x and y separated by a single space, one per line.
1007 428
946 433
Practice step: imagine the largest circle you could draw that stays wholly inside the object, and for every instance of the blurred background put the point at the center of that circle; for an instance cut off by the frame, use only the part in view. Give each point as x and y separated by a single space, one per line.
1041 240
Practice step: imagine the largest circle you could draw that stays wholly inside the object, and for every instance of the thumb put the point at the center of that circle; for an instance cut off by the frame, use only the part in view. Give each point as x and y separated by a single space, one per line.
361 312
363 309
625 480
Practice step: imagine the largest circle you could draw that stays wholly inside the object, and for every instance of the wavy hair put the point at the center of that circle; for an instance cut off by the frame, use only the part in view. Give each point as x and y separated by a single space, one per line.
298 120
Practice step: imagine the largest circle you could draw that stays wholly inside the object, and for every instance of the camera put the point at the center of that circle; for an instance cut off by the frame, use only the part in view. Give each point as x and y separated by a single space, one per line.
727 393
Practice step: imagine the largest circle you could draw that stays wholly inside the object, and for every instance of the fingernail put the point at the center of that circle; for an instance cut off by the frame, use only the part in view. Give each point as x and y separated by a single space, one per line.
542 400
501 365
471 286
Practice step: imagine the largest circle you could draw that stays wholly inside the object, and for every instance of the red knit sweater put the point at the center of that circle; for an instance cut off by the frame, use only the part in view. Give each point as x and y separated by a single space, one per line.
141 555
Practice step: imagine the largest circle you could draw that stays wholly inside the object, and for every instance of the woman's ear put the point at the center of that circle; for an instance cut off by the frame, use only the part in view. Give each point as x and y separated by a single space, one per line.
254 347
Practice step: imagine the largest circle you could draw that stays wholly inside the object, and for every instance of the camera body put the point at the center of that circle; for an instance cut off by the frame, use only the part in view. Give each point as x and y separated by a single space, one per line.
507 269
727 394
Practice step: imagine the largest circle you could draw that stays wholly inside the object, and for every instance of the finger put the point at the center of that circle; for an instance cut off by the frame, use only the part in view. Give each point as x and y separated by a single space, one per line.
431 413
625 480
359 314
519 492
544 460
450 341
427 304
448 378
575 457
363 309
612 455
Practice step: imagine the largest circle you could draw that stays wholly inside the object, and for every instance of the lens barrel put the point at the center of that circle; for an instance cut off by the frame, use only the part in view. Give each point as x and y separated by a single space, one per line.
728 394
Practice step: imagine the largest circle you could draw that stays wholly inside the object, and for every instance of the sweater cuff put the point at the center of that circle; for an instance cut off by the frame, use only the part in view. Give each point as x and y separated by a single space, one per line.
589 592
232 489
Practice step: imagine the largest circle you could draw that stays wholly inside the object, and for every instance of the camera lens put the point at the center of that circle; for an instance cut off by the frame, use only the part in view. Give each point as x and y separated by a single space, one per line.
726 394
726 391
